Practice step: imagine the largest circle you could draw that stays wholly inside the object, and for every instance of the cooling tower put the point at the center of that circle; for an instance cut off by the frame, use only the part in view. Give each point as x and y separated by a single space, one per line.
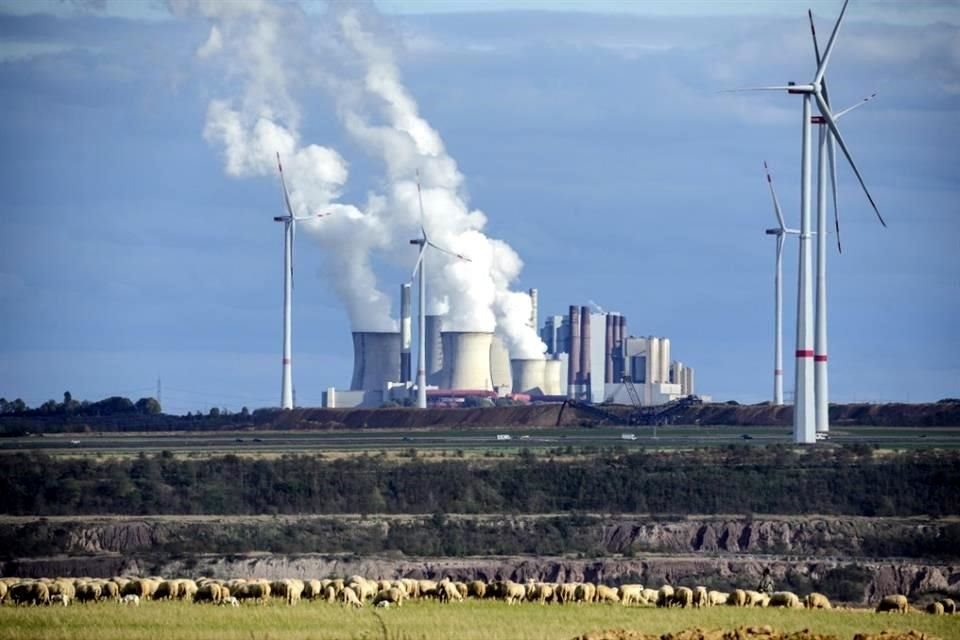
552 384
573 362
376 359
664 359
434 350
653 359
466 360
528 375
405 332
585 349
500 364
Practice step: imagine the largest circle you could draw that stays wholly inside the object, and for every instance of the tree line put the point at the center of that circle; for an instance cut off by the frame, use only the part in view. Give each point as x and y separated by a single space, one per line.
773 480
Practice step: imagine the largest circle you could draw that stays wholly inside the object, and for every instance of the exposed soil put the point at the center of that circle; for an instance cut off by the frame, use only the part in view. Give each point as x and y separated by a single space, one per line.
746 633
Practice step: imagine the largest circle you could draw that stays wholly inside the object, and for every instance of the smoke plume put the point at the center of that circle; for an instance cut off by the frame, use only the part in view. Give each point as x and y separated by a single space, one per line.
251 39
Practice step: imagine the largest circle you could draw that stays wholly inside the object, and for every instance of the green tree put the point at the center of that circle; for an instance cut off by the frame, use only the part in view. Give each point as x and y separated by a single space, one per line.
148 406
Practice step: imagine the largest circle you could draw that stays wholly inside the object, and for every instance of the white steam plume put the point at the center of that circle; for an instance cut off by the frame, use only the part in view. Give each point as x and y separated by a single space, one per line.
379 113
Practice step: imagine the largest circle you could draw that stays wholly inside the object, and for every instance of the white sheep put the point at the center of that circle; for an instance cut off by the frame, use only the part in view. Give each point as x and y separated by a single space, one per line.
131 599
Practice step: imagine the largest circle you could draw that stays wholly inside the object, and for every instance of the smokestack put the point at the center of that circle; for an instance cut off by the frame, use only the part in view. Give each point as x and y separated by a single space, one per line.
528 375
405 332
551 378
688 378
653 359
608 349
466 360
434 350
619 345
573 359
534 320
376 359
585 349
500 364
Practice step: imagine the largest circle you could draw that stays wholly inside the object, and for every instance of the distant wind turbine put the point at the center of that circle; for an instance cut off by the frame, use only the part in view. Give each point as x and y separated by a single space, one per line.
289 232
418 270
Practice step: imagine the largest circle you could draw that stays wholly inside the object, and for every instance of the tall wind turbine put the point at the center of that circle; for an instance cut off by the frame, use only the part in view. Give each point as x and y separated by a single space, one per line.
826 155
804 419
418 270
289 225
780 231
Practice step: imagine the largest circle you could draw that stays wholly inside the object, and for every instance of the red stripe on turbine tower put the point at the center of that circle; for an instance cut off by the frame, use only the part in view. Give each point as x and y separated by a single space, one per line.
778 372
804 353
286 361
820 358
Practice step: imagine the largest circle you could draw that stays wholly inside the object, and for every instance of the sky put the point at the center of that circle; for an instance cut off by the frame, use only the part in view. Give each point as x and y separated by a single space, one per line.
593 138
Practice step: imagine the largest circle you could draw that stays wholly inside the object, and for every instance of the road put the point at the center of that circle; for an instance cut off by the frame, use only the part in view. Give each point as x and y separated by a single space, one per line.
473 440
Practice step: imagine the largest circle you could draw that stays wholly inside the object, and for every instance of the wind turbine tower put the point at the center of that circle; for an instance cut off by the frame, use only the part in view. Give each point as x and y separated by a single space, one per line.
289 232
418 270
780 232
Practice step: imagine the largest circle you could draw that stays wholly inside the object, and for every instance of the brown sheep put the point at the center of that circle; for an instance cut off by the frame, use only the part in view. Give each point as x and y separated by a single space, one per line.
949 606
586 592
393 595
935 608
682 597
476 588
897 602
665 596
816 601
700 597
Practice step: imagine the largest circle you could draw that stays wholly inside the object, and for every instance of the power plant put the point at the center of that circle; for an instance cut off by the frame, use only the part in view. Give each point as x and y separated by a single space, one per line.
590 357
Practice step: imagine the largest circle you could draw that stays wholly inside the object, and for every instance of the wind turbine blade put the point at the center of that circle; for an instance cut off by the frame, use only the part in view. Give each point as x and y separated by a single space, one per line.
447 251
832 158
423 229
813 32
780 241
825 60
839 115
416 266
776 88
773 194
283 183
312 216
831 123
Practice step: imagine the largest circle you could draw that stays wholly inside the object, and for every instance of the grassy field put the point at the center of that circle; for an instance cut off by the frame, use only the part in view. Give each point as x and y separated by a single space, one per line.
463 621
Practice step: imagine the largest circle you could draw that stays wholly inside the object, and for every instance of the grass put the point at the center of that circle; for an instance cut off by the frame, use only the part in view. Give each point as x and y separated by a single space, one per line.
464 621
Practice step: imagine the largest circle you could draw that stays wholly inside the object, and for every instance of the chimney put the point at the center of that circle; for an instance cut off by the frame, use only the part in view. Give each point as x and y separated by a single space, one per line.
608 349
533 309
573 360
585 350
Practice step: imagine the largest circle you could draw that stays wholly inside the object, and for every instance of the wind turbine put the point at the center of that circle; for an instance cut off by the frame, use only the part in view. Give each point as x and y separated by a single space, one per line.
804 419
780 231
826 153
289 225
423 242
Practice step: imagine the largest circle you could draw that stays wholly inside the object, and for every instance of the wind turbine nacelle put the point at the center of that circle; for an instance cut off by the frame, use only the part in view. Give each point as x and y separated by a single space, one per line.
416 242
280 218
773 232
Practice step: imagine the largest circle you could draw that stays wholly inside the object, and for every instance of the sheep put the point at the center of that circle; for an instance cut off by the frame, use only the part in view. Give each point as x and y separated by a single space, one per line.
650 596
29 593
935 608
682 597
3 590
427 588
476 588
586 592
349 598
567 592
131 599
717 598
665 596
700 597
88 592
312 589
949 606
631 594
513 592
230 602
109 590
411 586
897 602
61 586
606 594
210 592
386 597
785 599
330 593
447 591
64 600
544 592
757 599
254 591
816 601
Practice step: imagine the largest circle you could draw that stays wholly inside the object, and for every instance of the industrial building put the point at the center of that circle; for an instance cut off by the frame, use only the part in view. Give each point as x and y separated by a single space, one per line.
590 357
604 360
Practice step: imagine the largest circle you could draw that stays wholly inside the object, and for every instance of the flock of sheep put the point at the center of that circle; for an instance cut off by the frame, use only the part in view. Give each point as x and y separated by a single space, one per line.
356 591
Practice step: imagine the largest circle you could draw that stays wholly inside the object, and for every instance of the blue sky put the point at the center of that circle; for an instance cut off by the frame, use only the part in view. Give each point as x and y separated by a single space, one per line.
129 255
